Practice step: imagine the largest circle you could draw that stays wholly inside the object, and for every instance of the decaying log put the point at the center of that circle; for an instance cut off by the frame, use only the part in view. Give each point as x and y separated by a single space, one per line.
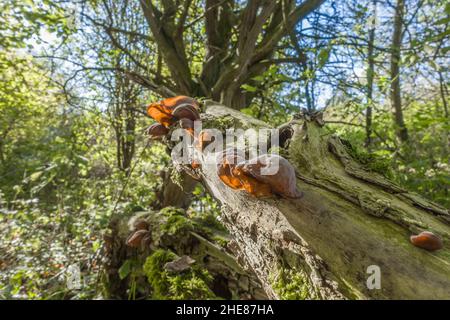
320 246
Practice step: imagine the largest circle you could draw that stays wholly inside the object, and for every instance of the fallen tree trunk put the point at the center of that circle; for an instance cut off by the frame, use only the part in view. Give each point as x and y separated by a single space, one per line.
321 245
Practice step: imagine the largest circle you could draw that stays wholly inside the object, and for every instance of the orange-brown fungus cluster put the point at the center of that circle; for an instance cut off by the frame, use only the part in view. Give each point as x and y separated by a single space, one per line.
181 109
140 236
232 169
170 110
248 176
427 240
162 111
157 131
282 181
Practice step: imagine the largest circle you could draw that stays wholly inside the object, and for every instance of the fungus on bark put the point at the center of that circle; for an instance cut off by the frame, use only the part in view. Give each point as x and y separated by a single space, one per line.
236 179
427 240
251 185
186 111
157 131
178 100
187 125
162 111
283 181
250 176
135 240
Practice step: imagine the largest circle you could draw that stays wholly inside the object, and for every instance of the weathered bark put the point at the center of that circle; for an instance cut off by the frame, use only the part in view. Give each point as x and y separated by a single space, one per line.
348 219
396 99
175 195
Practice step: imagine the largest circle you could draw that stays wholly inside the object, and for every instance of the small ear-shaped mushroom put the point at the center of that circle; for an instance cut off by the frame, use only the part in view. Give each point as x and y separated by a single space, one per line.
186 111
275 171
427 240
195 164
204 139
251 185
224 173
135 239
157 131
162 110
187 125
227 159
161 113
178 100
235 178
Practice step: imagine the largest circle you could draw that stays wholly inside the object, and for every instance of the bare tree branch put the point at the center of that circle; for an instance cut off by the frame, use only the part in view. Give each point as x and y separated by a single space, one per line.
172 49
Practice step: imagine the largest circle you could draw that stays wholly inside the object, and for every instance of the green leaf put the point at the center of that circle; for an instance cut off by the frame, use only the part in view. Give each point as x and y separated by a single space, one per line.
258 78
323 56
442 21
284 77
35 176
249 88
125 269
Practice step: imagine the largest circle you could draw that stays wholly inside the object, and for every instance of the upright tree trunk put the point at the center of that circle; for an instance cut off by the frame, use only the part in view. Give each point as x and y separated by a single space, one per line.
396 100
444 93
123 119
349 220
370 74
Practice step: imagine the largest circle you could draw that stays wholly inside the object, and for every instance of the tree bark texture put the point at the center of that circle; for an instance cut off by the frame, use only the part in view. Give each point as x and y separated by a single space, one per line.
370 74
396 99
348 219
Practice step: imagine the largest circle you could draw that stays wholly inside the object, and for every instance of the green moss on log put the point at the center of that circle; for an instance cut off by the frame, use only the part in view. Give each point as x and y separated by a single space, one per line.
370 161
190 284
292 284
177 222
